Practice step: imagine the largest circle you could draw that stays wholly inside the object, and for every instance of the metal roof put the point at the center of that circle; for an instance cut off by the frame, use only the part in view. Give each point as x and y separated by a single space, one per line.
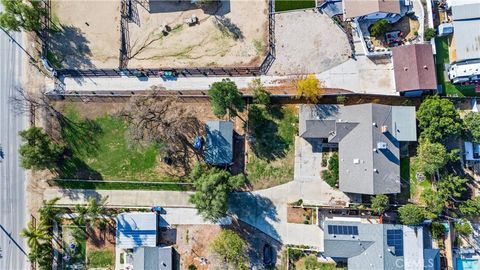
136 230
466 24
219 142
368 137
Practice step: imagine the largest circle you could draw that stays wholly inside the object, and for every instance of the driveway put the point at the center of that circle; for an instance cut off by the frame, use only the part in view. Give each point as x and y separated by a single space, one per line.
307 42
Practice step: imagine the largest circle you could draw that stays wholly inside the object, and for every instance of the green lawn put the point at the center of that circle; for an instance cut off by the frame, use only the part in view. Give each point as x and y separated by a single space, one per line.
122 186
100 150
101 259
442 58
284 5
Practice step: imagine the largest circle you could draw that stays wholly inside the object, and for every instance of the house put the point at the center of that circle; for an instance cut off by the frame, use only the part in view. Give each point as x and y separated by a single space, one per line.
368 137
153 258
414 69
137 243
466 25
219 143
379 246
370 9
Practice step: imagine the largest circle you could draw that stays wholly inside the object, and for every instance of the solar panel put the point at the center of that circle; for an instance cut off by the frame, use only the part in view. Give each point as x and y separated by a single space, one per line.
395 239
342 230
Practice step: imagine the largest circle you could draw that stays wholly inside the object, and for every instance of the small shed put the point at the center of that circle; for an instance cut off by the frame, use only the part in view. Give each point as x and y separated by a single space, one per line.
445 29
153 258
219 142
136 230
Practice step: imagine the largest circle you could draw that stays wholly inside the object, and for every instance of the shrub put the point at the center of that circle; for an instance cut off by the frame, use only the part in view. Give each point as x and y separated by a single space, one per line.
379 27
331 174
429 34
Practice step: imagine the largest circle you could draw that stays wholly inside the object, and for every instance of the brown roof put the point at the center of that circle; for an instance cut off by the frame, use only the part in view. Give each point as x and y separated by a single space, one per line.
414 67
357 8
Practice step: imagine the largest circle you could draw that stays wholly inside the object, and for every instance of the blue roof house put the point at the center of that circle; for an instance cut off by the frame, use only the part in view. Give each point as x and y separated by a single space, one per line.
219 143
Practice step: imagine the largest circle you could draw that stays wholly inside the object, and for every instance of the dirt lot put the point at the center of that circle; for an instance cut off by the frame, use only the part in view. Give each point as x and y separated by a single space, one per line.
323 44
241 42
233 33
191 242
89 36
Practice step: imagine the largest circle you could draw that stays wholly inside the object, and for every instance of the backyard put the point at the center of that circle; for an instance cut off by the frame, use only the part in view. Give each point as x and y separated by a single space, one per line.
442 58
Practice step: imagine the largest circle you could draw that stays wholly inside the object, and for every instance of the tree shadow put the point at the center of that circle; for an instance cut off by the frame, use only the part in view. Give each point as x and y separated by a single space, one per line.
70 48
81 140
267 144
256 210
221 7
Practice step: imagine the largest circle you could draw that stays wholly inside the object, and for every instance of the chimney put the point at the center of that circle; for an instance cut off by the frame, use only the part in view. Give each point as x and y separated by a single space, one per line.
425 67
384 129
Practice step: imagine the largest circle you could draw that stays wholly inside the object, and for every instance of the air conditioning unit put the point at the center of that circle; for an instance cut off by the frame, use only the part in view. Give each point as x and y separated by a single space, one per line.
381 145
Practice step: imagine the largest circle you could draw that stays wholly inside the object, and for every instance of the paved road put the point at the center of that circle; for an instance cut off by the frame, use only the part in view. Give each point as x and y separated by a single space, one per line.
12 176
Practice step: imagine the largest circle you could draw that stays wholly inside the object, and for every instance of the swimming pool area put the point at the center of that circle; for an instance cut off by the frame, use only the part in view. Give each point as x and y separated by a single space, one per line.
467 264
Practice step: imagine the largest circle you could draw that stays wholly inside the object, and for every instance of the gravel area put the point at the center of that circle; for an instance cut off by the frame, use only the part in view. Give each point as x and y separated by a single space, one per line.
308 42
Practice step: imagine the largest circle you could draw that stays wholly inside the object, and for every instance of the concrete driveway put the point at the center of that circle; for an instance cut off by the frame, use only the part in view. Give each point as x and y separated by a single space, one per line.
307 42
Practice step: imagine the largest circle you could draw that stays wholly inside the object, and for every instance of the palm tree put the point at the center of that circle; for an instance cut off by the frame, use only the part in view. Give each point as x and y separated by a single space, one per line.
82 215
35 235
48 212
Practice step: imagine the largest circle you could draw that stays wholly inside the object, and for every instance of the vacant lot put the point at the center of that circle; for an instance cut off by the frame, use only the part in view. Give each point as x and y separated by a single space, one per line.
88 35
308 42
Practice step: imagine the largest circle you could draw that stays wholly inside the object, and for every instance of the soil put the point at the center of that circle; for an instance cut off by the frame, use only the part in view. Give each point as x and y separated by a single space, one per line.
296 214
87 40
407 25
102 239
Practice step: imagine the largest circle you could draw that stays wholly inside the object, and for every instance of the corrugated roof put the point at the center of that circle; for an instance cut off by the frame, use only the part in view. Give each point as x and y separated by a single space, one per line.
136 230
219 142
357 8
467 39
414 67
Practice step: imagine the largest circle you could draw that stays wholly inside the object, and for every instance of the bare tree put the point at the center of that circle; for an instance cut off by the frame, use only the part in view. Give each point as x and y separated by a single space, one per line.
24 102
153 119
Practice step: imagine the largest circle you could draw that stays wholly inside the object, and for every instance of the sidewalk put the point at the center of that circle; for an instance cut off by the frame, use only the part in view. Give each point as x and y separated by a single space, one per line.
360 76
121 198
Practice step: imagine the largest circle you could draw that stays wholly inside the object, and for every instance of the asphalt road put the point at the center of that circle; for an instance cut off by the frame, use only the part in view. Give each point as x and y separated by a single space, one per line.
12 176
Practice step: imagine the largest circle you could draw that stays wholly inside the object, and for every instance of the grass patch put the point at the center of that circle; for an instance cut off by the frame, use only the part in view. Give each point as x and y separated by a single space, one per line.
101 147
120 186
272 160
310 262
284 5
442 58
100 259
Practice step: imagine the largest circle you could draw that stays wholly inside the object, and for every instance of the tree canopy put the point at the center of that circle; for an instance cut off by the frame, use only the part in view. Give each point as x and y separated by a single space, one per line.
452 186
438 119
471 123
213 187
434 201
259 93
431 156
471 207
225 98
309 88
411 214
231 247
18 15
380 203
39 151
379 27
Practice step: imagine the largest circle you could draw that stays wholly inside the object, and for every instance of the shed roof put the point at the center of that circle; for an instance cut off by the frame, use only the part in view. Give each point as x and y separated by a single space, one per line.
357 8
414 67
466 24
152 258
219 142
136 230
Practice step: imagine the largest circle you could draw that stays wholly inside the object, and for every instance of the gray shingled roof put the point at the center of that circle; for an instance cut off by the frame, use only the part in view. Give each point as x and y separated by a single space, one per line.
373 248
153 258
219 142
364 167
